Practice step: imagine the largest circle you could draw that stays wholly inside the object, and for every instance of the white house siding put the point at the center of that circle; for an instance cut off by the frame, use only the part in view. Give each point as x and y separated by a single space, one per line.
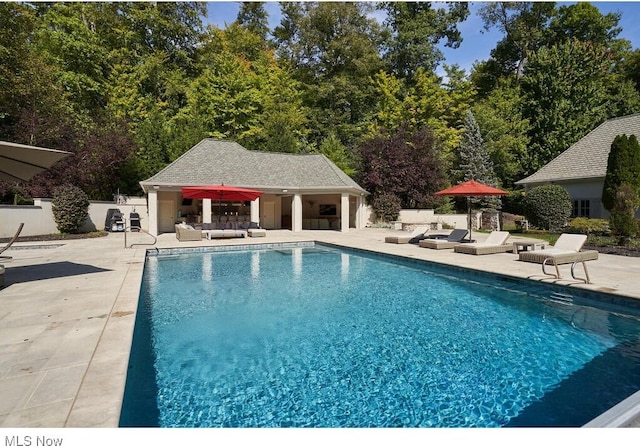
588 190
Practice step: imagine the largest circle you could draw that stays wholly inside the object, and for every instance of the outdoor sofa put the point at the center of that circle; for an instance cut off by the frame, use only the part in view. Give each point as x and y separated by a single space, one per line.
231 229
187 233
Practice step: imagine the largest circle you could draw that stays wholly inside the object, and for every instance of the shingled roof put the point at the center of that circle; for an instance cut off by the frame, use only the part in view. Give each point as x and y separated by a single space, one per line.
588 157
214 161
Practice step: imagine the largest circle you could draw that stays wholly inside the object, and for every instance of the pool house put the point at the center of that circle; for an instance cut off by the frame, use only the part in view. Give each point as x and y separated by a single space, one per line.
300 191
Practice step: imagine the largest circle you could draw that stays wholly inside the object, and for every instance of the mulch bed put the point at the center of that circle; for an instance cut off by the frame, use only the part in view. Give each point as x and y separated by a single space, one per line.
615 250
55 237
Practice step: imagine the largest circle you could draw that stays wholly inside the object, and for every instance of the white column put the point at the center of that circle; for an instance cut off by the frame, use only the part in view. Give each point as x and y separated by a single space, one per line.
206 210
153 211
360 212
255 211
296 211
344 213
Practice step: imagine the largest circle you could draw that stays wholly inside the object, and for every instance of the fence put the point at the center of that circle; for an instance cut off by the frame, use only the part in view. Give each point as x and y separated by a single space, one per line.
38 219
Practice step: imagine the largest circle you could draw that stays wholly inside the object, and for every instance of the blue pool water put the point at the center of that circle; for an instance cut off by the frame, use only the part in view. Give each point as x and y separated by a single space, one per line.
320 337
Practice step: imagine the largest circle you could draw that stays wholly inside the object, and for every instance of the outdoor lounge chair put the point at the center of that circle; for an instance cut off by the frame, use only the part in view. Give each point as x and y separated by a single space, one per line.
495 243
11 242
455 238
566 250
418 234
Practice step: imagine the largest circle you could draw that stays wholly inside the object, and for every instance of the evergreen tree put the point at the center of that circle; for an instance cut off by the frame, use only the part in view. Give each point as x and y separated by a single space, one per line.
623 166
475 163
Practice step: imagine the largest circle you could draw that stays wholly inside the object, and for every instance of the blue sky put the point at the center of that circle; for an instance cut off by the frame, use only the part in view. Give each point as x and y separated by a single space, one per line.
477 43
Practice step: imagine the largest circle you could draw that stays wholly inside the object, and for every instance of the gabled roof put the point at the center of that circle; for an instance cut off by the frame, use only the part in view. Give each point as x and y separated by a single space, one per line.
588 157
214 161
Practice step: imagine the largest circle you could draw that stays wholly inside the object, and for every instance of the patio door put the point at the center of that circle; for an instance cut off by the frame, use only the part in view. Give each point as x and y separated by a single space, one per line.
166 211
268 217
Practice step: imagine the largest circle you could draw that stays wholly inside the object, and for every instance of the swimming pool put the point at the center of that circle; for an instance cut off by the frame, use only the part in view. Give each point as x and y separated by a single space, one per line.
313 336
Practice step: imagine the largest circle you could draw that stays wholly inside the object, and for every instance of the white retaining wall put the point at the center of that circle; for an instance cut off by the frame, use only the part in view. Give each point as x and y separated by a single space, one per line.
422 216
38 219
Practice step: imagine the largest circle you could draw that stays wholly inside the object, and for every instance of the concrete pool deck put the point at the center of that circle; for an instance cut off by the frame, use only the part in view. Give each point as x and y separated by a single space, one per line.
67 313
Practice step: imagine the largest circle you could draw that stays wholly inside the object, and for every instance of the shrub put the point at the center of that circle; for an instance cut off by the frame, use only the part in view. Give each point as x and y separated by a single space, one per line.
584 225
70 208
386 207
623 220
548 206
623 167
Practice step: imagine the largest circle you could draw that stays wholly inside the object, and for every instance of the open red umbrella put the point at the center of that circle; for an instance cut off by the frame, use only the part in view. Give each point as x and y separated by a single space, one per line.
470 189
221 193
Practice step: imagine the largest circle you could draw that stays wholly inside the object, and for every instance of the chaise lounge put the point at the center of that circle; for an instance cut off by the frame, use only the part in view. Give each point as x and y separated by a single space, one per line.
566 250
495 243
455 238
414 237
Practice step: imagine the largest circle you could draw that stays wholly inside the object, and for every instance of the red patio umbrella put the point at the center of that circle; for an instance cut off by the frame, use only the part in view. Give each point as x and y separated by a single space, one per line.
470 189
221 193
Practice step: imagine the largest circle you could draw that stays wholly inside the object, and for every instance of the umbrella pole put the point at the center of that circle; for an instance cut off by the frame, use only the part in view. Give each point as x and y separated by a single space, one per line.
470 225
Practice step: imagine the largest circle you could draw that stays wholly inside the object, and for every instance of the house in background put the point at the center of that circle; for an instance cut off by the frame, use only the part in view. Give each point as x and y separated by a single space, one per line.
300 191
581 168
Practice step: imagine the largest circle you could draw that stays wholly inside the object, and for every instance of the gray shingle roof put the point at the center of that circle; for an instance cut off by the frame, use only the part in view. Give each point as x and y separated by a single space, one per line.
588 157
213 161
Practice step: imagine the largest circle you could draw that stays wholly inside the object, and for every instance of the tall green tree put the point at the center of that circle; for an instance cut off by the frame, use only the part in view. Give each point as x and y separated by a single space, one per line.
623 167
566 94
474 163
505 130
523 24
254 18
245 96
333 49
416 30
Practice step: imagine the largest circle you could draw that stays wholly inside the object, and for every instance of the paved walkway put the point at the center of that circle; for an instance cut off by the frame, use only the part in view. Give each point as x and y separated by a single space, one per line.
67 313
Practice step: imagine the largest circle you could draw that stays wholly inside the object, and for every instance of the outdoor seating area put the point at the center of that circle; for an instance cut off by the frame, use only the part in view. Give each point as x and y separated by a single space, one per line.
566 251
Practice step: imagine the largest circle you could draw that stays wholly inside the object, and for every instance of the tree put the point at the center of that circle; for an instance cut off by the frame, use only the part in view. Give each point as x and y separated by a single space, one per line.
333 50
254 18
548 207
70 208
333 149
523 24
243 94
623 167
405 165
565 93
474 163
416 30
623 215
504 130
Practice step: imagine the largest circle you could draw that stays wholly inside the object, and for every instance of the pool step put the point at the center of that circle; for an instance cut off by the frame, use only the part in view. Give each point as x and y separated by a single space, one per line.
561 298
